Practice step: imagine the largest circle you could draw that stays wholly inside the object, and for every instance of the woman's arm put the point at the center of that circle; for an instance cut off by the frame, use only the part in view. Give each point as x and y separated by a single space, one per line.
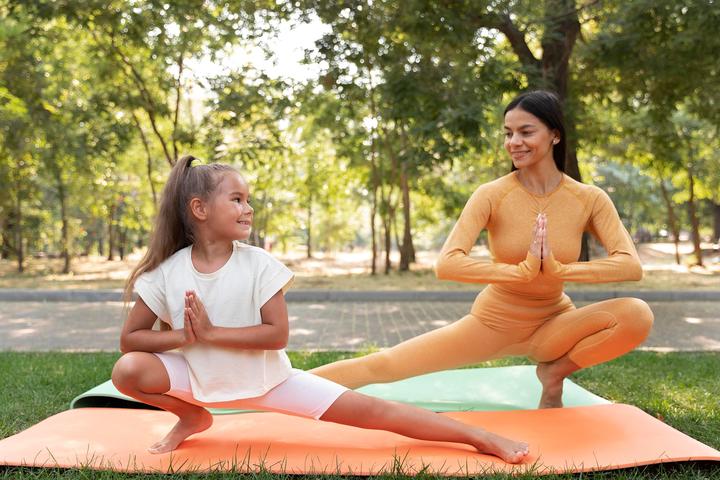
455 263
621 264
271 334
138 336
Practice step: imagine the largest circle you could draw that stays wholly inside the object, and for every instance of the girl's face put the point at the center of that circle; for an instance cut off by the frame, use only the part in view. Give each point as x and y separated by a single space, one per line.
230 215
527 139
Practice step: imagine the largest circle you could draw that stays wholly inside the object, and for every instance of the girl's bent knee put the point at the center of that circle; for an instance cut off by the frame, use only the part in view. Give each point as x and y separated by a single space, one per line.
129 369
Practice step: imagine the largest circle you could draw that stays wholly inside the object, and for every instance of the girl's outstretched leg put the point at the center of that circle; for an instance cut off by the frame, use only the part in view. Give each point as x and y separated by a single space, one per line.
358 410
143 376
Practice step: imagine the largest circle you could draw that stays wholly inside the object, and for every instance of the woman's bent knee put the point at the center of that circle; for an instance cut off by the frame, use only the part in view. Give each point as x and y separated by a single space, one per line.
638 318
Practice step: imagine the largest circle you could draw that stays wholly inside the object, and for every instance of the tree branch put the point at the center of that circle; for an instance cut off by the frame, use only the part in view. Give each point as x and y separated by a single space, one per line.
515 36
137 79
178 95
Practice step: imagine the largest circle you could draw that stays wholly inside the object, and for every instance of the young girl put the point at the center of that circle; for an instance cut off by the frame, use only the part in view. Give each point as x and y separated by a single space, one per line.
229 325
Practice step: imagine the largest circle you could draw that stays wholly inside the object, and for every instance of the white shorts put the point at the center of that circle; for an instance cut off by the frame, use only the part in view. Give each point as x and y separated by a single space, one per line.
302 394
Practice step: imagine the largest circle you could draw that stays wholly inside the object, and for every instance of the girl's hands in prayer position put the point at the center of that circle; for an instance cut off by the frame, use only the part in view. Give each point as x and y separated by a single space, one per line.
196 315
190 336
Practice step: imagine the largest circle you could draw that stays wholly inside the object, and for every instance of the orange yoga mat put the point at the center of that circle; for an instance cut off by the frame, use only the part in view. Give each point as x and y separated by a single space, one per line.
598 437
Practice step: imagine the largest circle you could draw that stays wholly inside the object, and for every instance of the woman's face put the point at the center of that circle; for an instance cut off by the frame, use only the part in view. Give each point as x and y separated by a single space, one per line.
527 139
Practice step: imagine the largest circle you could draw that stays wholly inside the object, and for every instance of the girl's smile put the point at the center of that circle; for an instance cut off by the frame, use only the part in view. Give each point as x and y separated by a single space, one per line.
231 206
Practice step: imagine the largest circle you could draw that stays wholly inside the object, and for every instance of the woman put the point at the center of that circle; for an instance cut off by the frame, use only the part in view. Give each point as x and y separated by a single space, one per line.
535 217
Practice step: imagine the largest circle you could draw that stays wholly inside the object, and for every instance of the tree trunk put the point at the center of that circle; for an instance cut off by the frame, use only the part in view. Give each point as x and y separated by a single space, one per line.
374 177
122 238
310 185
672 221
6 231
407 249
386 214
309 227
111 233
148 156
396 232
18 234
716 222
694 221
178 97
388 242
100 243
65 223
561 30
373 233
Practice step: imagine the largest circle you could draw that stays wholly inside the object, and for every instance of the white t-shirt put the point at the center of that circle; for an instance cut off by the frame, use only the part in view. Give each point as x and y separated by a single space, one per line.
232 297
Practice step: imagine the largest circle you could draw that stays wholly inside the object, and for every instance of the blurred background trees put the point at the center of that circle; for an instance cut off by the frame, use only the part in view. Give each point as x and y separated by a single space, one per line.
374 142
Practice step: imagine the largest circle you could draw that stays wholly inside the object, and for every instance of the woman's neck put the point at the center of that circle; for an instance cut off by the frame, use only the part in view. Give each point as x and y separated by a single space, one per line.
540 178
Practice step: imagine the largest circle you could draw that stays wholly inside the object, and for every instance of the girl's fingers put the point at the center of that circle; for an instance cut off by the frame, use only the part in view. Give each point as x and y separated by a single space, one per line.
192 304
195 302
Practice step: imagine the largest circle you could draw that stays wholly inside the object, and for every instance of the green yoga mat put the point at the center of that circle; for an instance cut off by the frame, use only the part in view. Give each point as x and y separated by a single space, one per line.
473 389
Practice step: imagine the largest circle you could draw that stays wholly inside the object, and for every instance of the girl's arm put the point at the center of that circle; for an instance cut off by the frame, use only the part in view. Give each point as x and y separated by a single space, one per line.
271 334
138 336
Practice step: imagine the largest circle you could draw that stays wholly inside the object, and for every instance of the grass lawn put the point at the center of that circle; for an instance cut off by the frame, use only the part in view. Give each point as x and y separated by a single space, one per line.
679 388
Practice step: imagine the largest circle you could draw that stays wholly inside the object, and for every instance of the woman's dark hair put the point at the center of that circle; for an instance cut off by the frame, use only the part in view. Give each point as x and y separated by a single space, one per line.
545 106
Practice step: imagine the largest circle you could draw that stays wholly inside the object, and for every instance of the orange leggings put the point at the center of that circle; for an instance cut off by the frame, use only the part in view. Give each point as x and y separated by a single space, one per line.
504 323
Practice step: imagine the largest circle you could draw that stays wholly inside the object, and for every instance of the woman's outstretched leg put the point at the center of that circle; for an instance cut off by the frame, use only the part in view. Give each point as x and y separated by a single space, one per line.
462 343
358 410
585 337
143 376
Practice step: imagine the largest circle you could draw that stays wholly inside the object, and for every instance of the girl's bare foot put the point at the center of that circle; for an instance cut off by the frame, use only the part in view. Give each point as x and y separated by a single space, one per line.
509 450
195 422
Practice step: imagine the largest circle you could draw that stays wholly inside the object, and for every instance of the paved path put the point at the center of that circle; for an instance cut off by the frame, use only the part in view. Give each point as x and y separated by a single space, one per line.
323 325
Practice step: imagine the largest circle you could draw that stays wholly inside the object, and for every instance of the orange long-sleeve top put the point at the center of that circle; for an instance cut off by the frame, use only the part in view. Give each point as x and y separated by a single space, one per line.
508 211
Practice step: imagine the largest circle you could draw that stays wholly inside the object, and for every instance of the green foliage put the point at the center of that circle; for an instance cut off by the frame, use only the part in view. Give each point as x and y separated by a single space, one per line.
98 100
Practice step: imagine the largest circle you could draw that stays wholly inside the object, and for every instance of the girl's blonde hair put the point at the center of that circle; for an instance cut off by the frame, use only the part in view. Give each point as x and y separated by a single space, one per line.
173 228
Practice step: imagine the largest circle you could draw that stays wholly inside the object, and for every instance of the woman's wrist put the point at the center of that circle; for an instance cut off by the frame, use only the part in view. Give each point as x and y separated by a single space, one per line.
550 266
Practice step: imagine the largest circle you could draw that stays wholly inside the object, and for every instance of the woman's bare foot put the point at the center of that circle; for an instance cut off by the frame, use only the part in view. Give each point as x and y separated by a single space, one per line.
552 384
509 450
195 422
551 376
